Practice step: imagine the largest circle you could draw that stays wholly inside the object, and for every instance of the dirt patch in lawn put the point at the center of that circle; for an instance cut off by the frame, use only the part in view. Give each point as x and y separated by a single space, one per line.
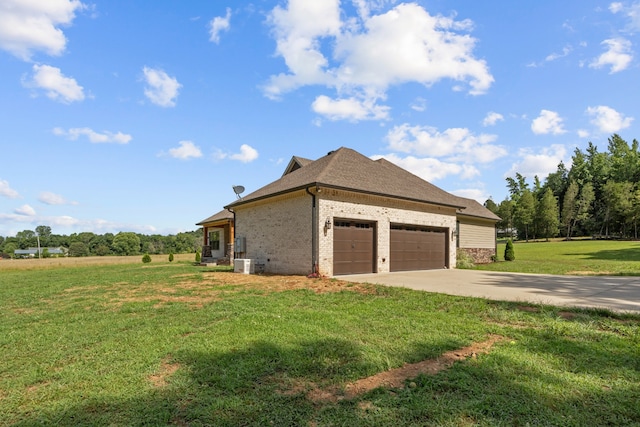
393 378
166 370
209 287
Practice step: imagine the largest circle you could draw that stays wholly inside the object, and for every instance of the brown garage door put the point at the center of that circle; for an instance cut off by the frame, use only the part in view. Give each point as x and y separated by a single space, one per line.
417 248
353 248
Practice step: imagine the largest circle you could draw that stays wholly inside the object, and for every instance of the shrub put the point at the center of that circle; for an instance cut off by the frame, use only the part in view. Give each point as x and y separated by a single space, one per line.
198 256
171 257
146 258
509 254
464 260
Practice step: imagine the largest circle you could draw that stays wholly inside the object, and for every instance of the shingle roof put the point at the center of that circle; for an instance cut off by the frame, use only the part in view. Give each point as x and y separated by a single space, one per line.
296 163
349 170
222 215
473 208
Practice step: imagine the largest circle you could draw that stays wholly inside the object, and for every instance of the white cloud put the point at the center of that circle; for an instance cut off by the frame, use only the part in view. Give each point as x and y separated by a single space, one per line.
608 120
371 53
455 144
548 122
49 198
476 194
7 191
25 210
420 104
27 26
616 7
618 55
247 154
430 169
540 163
492 118
632 12
93 136
56 86
161 89
554 56
583 133
186 151
351 109
219 24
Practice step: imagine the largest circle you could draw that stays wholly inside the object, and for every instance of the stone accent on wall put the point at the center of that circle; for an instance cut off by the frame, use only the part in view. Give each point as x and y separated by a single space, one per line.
479 255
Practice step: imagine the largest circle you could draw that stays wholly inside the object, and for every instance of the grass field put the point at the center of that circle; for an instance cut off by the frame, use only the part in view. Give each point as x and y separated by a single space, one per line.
579 257
177 344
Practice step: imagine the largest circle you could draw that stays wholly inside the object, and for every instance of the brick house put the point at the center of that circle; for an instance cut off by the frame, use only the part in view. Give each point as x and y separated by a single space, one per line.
348 214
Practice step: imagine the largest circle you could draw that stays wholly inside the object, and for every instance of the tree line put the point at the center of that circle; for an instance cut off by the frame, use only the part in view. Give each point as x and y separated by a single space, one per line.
598 196
91 244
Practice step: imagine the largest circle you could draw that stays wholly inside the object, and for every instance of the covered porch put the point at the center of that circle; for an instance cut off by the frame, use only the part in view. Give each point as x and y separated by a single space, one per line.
217 245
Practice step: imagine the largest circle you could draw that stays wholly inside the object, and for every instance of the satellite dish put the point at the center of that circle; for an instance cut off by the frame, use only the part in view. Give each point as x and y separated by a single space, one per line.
238 189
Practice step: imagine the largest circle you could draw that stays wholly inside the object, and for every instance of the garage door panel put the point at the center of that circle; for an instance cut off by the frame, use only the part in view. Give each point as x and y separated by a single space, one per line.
417 248
353 248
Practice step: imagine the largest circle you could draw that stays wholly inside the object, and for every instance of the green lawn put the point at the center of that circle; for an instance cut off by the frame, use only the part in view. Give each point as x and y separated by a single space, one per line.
175 344
595 257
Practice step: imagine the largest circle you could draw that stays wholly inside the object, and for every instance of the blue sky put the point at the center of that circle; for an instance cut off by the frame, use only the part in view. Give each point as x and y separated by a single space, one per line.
141 116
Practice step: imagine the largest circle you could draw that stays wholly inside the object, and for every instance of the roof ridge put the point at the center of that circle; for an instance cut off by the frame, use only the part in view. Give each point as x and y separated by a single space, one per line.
332 159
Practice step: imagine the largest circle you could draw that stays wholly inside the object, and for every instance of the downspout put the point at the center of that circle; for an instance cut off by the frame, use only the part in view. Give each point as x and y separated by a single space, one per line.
235 229
314 233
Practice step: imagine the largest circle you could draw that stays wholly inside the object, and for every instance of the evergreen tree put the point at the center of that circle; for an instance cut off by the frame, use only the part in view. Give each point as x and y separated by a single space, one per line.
524 213
570 207
509 253
548 215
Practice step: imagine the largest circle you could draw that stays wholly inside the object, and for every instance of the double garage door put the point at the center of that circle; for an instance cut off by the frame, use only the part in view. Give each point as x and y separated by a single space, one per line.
412 248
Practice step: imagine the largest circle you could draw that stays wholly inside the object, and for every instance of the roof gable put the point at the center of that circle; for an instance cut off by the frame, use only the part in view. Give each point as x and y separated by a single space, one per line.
296 163
349 170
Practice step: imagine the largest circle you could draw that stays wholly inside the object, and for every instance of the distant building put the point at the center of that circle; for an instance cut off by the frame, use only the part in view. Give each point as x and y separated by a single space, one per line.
33 252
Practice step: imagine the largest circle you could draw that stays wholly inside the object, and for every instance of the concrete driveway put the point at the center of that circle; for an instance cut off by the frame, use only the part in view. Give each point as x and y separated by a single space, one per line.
621 294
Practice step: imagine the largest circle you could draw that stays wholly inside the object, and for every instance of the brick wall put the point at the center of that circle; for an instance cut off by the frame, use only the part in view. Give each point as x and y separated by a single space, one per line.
384 211
278 233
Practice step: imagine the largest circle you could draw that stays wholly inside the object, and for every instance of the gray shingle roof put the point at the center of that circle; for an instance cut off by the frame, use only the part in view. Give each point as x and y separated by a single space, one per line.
349 170
473 208
222 215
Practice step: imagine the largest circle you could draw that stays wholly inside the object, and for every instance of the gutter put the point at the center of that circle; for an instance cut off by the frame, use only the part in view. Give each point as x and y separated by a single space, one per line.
335 187
314 232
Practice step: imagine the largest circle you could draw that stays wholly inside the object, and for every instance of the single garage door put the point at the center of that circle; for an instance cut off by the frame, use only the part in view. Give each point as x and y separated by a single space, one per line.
417 248
353 247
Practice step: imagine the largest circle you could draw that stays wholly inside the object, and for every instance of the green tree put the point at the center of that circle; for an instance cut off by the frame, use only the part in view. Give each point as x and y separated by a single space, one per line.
26 239
44 232
126 243
505 212
570 207
548 214
524 213
509 252
491 205
10 248
78 249
585 201
171 257
146 258
517 186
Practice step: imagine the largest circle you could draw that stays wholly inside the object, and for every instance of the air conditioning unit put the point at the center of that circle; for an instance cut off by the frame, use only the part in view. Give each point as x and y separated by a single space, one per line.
243 265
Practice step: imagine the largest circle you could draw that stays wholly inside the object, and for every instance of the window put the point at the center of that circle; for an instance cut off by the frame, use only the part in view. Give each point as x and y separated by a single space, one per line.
214 240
